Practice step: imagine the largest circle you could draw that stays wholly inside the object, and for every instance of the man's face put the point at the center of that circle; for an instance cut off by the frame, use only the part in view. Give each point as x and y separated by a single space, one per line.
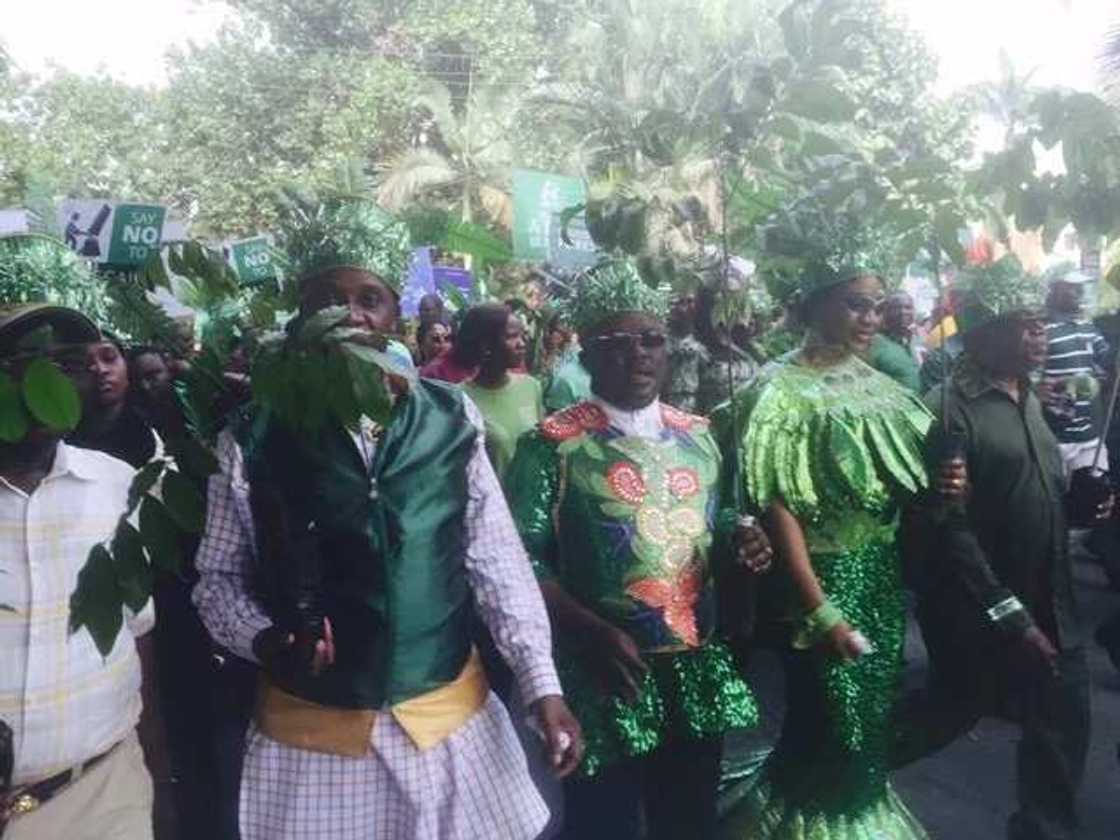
627 359
898 314
1066 298
682 314
108 371
1014 346
372 304
71 360
431 308
150 375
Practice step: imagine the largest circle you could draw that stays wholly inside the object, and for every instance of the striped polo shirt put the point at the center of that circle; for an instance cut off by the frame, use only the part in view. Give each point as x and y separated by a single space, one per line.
1073 348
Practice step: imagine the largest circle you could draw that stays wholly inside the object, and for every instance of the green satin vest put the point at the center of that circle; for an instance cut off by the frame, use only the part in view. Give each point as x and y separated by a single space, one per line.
390 543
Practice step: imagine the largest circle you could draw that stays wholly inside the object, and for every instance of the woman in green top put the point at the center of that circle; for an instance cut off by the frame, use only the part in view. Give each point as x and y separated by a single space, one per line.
830 450
493 338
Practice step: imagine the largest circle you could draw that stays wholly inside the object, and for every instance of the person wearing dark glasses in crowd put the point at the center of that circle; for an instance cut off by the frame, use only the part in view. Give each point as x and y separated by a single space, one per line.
616 499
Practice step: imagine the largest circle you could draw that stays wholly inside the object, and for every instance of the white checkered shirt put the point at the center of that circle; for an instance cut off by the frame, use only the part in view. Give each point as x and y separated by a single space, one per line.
64 702
473 784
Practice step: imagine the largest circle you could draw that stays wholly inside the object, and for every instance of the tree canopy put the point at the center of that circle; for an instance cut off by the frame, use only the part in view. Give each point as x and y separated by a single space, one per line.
653 103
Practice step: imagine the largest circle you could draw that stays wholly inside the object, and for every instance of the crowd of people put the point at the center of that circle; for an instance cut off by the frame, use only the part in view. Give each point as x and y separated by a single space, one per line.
521 606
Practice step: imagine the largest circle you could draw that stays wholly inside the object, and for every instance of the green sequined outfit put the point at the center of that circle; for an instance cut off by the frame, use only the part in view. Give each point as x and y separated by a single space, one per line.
841 448
626 526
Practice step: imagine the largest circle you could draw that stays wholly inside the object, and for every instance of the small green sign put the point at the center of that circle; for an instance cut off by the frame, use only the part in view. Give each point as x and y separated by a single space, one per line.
538 200
137 230
252 260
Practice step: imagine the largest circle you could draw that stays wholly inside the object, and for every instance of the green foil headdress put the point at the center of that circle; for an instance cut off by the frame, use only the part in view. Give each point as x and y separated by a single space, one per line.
37 268
995 290
806 249
346 233
611 288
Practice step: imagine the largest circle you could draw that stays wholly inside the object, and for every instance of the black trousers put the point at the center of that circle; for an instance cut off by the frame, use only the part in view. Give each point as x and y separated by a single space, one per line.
673 789
969 679
207 702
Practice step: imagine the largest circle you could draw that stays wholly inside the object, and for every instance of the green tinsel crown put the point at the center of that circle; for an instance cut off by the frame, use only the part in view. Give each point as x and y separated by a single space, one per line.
611 288
345 233
807 249
995 290
36 268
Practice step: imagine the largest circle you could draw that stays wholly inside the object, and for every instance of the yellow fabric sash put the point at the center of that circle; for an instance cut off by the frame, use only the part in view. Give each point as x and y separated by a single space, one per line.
426 719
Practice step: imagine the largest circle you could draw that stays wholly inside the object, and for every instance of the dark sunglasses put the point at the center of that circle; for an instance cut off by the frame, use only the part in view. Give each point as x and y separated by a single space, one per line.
864 304
621 342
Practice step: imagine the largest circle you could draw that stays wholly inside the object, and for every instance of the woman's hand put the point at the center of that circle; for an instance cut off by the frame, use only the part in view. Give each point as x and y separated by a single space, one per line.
843 643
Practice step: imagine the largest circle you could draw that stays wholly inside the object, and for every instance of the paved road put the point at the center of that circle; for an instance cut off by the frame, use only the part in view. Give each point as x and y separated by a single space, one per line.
966 792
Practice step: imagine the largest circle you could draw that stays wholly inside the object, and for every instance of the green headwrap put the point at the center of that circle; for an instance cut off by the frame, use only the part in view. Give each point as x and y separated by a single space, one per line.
995 290
611 288
36 268
347 233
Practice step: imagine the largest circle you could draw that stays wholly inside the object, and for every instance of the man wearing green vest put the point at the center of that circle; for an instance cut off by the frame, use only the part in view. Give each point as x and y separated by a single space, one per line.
348 563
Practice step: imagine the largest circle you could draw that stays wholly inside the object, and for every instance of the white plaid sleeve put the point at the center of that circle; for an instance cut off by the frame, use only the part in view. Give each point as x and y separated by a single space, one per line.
505 590
225 558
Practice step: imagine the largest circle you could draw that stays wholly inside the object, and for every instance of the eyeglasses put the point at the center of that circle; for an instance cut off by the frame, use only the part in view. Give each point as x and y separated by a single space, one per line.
621 342
864 304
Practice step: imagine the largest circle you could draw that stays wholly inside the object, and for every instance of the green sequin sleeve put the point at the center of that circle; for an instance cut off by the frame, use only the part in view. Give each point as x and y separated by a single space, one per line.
532 487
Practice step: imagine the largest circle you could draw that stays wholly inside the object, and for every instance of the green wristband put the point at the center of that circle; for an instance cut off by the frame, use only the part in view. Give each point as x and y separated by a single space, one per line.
816 624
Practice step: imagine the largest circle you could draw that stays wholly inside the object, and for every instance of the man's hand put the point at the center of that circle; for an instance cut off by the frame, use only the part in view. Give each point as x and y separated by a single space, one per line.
280 653
617 660
751 548
1106 508
1036 654
561 732
952 480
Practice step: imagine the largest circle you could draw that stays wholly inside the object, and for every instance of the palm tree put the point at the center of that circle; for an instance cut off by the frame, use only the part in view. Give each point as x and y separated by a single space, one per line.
1110 62
463 157
1006 100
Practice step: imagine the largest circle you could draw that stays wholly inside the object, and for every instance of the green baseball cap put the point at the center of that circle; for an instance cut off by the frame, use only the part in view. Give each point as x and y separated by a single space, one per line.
28 326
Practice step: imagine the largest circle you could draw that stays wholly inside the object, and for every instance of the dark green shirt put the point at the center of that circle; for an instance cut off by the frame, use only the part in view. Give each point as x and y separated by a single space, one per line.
889 357
1010 538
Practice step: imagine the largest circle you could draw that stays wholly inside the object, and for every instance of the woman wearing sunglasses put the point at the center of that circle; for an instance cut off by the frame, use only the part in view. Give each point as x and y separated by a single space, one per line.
831 450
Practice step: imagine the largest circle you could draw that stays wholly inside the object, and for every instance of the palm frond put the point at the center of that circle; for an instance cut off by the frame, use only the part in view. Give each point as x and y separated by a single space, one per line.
411 175
1110 60
352 180
139 319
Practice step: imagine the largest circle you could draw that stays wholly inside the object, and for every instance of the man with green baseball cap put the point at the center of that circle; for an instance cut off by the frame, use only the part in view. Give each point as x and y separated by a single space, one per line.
996 601
77 766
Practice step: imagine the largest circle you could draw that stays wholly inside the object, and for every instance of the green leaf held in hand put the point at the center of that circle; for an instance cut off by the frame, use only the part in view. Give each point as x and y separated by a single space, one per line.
160 535
13 414
144 481
184 503
134 576
97 603
51 397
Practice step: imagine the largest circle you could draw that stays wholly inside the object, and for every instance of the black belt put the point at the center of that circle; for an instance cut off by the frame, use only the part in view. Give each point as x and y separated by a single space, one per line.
24 800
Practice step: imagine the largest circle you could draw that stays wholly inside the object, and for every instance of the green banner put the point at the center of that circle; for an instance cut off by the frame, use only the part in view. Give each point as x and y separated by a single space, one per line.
538 199
137 229
252 260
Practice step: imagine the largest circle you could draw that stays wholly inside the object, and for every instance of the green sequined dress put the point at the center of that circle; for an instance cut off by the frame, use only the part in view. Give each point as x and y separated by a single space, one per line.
841 448
626 526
